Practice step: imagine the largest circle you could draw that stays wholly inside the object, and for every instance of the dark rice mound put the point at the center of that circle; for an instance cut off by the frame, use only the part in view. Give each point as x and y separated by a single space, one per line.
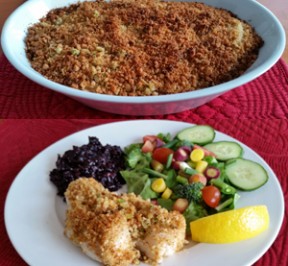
90 160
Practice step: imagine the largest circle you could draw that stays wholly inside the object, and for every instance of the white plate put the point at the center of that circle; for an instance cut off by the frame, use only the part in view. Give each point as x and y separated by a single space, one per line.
263 20
34 214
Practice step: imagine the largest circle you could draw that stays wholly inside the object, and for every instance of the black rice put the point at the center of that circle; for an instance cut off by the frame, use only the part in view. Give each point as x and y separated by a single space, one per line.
90 160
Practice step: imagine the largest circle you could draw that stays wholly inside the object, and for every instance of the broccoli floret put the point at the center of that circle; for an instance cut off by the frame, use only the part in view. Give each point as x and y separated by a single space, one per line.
192 192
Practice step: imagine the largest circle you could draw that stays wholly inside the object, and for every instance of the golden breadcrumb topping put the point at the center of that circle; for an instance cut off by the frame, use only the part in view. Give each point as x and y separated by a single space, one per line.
141 47
120 230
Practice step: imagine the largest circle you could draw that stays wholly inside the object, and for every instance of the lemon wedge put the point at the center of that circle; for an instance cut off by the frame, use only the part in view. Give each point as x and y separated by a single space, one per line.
231 226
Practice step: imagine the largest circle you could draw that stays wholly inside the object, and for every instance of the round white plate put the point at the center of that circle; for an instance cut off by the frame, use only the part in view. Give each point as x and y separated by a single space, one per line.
34 215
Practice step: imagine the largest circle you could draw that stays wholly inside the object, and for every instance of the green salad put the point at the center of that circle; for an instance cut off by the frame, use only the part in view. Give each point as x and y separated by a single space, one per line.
190 172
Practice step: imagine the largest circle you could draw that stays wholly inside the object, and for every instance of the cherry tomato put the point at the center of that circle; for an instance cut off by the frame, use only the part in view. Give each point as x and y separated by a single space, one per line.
161 154
211 196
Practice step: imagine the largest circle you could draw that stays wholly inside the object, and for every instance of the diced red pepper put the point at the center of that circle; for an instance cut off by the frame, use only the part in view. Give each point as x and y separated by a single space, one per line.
206 152
148 146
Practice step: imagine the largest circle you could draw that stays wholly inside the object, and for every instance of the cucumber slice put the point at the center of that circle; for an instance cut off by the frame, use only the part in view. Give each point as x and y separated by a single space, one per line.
200 134
245 174
225 150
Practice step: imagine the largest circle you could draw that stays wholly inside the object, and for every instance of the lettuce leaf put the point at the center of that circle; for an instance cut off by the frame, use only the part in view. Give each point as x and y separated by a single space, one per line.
192 213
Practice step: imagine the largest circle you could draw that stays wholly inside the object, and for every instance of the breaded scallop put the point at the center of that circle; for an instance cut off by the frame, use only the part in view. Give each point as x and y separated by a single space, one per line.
120 230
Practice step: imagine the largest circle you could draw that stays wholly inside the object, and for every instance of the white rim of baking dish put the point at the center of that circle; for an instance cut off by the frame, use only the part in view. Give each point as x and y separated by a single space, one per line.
251 74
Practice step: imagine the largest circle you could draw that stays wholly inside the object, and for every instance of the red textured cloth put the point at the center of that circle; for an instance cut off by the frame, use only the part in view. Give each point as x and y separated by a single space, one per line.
256 114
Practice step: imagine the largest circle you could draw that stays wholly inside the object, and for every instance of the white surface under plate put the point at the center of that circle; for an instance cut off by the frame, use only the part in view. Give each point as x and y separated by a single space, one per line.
34 215
262 19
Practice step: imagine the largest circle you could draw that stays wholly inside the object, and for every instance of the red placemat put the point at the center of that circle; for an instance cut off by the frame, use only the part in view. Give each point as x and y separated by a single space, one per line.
21 140
265 97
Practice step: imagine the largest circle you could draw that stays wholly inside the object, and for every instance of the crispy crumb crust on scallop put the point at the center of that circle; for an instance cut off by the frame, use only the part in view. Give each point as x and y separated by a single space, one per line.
141 47
120 229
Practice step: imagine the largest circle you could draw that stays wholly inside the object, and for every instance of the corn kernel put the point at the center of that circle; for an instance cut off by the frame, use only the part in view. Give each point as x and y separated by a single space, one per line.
167 193
157 166
197 155
158 185
201 166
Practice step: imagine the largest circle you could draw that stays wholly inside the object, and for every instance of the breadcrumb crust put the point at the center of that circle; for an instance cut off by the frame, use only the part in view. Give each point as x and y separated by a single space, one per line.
120 230
141 47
